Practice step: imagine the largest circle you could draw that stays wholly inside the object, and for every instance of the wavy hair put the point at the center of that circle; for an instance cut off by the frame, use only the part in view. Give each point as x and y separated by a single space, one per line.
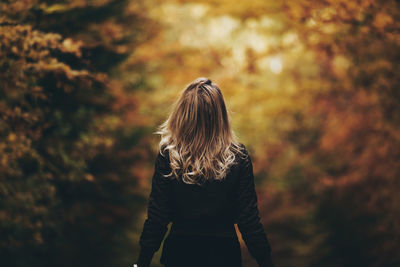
197 135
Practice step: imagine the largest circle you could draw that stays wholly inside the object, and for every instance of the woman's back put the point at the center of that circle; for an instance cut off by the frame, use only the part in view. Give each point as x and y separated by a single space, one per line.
206 204
203 217
203 183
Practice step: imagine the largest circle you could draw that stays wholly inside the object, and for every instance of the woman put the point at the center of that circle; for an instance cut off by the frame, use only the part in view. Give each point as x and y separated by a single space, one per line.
203 183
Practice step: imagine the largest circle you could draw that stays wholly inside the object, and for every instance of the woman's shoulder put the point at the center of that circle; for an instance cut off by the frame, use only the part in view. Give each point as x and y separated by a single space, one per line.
163 151
162 158
243 152
241 156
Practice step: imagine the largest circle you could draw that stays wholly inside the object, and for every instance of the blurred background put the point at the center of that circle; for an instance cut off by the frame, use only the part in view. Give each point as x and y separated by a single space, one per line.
313 93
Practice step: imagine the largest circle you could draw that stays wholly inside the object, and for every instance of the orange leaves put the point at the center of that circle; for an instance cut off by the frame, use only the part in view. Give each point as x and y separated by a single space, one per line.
382 20
359 113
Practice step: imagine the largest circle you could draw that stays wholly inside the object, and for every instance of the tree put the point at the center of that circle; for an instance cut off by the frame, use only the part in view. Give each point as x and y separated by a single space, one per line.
67 183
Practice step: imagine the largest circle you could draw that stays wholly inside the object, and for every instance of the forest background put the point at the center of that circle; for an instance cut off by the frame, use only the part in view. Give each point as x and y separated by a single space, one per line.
313 92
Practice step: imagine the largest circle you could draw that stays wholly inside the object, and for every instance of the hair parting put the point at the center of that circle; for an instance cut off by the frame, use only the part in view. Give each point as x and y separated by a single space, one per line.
197 134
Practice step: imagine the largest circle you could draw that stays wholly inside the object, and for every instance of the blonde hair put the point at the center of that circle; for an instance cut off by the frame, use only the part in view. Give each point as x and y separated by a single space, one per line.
198 136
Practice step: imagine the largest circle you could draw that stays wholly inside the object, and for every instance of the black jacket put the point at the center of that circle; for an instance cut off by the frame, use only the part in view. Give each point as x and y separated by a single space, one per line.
205 210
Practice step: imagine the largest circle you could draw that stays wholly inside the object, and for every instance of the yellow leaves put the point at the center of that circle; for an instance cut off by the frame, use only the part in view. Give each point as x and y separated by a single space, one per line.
290 38
12 137
27 44
327 13
17 144
16 7
329 28
54 8
14 49
4 160
68 5
72 46
53 65
297 10
340 65
91 143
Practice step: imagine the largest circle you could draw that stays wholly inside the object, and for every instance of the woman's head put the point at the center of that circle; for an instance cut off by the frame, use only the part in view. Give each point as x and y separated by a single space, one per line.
198 134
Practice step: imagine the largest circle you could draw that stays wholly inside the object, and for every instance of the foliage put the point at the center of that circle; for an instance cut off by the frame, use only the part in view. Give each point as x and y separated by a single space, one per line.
313 92
311 87
356 160
67 185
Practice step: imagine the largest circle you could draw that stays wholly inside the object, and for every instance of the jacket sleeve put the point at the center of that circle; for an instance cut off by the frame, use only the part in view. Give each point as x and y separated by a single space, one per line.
158 213
248 218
